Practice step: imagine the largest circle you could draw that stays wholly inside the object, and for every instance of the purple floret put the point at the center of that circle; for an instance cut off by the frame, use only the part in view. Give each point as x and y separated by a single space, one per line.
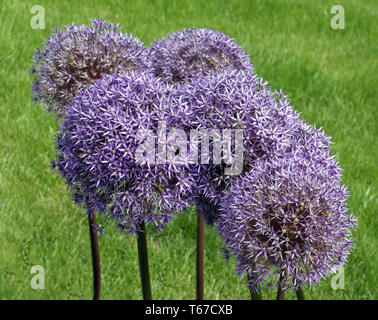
74 57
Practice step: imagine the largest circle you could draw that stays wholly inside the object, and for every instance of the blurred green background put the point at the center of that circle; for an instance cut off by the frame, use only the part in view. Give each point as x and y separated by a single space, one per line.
329 75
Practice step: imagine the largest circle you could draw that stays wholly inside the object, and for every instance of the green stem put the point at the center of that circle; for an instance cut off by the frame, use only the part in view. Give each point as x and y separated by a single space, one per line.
280 291
95 255
300 295
255 295
200 255
143 262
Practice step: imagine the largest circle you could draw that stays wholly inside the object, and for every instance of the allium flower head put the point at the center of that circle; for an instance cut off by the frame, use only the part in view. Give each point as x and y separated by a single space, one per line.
100 136
240 100
287 219
191 53
74 57
236 100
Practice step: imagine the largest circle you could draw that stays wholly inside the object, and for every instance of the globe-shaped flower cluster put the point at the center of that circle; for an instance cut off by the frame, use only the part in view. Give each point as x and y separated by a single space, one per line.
190 53
232 101
76 56
286 221
105 127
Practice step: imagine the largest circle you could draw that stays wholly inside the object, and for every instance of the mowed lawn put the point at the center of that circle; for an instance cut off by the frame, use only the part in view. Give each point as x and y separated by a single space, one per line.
329 75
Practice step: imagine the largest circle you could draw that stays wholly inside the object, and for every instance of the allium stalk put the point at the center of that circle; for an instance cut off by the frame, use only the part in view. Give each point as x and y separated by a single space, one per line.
255 292
300 294
280 289
200 255
96 265
206 214
143 262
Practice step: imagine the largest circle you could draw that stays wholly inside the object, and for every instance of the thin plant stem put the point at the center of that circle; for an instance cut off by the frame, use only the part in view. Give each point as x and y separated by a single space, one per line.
200 255
280 291
255 295
143 262
96 265
300 295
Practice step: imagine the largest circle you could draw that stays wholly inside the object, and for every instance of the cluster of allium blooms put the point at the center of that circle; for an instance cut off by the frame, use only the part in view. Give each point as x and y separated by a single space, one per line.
282 211
100 136
233 100
76 56
191 53
286 221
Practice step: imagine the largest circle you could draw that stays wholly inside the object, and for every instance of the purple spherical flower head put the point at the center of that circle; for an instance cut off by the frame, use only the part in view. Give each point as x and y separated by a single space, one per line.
106 126
286 221
191 53
235 103
74 57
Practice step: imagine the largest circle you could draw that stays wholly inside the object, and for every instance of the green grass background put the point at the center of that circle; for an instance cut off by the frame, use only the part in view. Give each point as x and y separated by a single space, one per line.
329 75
